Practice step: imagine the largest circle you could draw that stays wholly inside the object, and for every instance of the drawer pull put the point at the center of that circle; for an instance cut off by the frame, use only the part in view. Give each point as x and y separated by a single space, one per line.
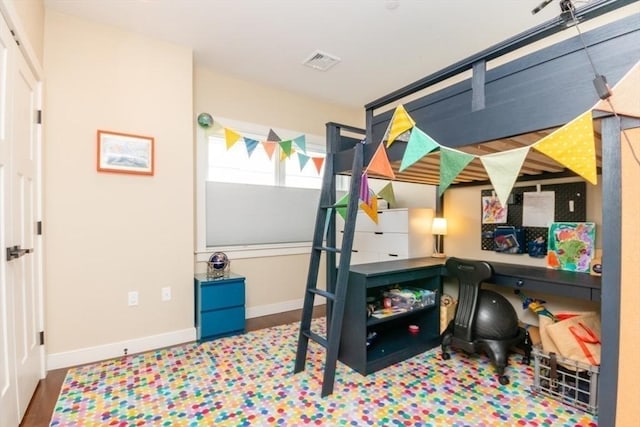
520 283
378 232
393 255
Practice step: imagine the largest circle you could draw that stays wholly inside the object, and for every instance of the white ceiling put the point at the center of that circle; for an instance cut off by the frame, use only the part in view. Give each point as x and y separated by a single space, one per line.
383 44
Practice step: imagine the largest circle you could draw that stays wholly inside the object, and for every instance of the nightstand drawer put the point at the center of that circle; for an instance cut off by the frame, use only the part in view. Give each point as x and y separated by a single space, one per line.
222 322
222 295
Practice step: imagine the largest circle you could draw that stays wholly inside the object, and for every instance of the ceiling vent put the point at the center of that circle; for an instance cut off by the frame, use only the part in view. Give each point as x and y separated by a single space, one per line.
321 61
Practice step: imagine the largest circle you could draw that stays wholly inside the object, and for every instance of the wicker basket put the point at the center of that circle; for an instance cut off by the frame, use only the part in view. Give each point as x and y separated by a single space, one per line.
568 381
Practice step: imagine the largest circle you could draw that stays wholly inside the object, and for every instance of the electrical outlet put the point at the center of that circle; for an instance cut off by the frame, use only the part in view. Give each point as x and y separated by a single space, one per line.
132 298
166 293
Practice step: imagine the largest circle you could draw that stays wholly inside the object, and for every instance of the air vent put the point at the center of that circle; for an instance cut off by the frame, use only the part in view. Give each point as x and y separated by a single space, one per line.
321 61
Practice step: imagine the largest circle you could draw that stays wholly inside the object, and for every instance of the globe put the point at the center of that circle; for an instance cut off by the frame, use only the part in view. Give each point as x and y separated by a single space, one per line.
218 264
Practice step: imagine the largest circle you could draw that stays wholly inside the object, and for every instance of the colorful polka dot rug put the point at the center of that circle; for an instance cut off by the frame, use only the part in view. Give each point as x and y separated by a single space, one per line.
248 380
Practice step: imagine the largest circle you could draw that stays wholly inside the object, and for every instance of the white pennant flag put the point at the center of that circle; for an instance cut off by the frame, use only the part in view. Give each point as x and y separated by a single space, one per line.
503 169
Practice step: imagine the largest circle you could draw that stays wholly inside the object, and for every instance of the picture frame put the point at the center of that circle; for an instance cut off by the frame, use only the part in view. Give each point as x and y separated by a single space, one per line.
125 153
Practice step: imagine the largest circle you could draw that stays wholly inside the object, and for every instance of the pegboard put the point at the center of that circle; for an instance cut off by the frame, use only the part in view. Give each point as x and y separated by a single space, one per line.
564 193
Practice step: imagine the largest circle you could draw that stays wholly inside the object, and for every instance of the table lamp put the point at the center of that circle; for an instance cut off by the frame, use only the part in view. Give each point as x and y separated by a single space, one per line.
438 229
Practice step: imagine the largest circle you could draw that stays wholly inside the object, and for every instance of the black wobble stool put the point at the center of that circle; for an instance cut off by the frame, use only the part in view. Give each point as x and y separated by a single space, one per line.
485 321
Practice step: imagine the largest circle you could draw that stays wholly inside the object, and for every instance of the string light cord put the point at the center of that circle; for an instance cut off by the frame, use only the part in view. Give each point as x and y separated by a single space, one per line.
571 10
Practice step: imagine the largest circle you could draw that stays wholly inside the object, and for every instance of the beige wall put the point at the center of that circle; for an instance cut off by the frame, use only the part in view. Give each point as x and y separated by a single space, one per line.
107 234
31 15
629 377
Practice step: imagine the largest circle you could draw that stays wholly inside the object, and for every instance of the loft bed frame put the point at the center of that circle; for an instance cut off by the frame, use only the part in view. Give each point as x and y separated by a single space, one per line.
513 105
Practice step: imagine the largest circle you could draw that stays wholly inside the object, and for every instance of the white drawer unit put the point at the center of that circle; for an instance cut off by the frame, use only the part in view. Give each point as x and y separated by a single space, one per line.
399 234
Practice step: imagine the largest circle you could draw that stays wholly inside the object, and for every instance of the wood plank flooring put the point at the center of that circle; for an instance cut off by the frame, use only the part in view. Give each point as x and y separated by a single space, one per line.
46 395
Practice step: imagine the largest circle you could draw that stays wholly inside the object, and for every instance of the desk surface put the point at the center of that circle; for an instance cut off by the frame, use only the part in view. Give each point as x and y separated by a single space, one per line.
528 278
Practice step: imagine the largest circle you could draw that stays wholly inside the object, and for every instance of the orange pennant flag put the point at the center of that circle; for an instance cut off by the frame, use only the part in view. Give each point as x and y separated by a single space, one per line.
318 161
231 137
372 209
269 147
573 145
380 163
400 123
625 95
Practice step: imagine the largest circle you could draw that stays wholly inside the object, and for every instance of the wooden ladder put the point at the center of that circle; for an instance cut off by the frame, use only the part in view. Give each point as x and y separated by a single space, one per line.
335 295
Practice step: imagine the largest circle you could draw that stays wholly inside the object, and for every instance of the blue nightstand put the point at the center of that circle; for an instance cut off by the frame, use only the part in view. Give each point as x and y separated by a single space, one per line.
219 306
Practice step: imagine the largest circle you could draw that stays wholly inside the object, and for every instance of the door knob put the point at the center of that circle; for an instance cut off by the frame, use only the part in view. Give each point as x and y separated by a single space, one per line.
15 252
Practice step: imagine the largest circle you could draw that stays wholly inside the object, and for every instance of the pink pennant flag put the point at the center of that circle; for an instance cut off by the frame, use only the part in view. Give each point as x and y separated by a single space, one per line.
269 147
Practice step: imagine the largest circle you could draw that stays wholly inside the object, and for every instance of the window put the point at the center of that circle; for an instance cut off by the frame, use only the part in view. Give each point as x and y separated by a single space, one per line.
235 165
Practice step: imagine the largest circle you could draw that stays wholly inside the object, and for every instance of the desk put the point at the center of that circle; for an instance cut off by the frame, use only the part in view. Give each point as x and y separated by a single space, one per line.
393 342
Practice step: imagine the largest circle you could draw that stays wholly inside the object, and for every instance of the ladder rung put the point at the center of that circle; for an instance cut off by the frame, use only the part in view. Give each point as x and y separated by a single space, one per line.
327 295
327 248
341 205
317 338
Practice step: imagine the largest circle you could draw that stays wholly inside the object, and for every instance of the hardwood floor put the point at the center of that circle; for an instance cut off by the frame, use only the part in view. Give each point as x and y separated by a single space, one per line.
46 395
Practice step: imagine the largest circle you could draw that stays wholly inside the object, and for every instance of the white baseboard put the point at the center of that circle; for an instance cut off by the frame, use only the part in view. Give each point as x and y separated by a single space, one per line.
265 310
108 351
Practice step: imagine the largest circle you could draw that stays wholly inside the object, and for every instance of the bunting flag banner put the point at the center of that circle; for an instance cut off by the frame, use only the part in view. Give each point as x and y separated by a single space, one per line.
302 159
388 195
573 146
452 162
503 169
380 163
285 146
269 147
364 189
301 143
625 95
401 122
318 161
342 210
273 137
251 145
371 209
420 144
231 137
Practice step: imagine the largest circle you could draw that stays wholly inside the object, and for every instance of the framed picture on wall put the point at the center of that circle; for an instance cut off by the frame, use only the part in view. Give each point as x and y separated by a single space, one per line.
125 153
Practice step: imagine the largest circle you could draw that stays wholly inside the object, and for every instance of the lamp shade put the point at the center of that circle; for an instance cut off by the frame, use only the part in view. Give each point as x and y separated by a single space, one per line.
439 226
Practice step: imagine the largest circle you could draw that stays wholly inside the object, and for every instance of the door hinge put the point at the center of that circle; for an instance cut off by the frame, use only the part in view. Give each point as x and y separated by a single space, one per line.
41 337
39 117
39 228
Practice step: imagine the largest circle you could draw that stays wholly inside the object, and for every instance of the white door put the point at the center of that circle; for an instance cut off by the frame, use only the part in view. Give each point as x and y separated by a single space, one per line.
20 306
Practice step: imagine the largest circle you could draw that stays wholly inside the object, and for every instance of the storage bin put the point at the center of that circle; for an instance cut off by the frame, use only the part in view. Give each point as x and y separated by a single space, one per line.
568 381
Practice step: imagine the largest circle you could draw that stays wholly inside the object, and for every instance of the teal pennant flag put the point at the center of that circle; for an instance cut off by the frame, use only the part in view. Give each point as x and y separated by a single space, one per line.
251 145
420 144
302 159
301 143
503 169
452 162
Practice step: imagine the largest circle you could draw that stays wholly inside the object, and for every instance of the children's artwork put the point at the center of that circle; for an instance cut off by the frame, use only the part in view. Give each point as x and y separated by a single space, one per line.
571 245
492 211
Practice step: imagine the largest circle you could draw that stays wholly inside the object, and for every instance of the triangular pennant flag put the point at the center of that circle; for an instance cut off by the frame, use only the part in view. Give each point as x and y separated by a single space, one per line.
387 194
301 143
364 189
380 163
273 137
285 146
400 123
302 159
318 161
573 145
371 209
625 95
420 144
269 147
503 169
231 137
452 162
342 210
251 145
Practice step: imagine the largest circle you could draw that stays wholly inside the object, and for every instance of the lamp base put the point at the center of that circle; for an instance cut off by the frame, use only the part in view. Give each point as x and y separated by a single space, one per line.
438 255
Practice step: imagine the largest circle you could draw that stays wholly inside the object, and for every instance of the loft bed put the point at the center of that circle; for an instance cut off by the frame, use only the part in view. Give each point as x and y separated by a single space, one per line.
514 105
